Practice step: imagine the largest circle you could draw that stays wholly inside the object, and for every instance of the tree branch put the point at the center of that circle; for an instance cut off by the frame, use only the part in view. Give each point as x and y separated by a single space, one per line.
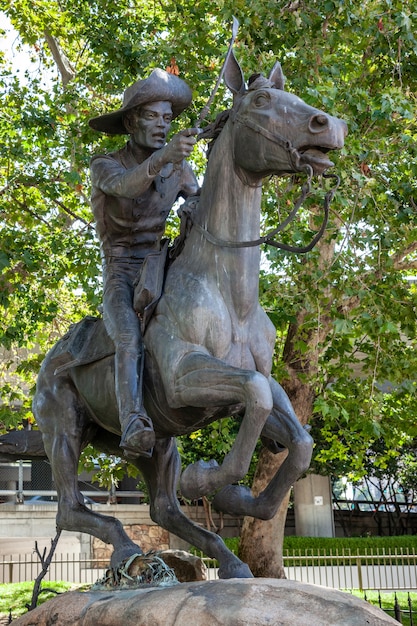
71 213
398 258
24 206
45 562
407 265
62 62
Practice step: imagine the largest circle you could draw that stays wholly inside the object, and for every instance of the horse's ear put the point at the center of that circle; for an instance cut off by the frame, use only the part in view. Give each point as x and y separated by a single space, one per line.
277 77
233 75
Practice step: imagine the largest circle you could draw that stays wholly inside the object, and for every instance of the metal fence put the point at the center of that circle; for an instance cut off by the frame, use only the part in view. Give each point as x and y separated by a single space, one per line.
73 568
398 611
375 570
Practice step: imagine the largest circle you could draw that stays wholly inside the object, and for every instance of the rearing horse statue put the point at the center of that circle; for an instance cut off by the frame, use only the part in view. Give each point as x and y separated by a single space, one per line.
209 345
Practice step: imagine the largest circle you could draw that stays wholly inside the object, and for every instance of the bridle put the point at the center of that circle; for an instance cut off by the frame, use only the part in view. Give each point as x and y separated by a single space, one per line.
294 157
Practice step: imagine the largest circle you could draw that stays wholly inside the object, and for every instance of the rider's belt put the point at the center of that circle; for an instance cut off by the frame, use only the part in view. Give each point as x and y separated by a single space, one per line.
115 257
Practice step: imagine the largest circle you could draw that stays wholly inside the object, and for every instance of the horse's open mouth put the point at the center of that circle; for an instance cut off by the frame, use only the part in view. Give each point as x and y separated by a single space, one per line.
317 158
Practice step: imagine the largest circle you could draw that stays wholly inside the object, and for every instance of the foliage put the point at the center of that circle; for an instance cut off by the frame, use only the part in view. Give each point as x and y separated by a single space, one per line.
342 551
388 486
328 548
389 474
108 470
345 313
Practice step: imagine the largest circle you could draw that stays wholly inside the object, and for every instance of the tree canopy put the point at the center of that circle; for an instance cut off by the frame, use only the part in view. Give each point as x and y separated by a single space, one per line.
346 312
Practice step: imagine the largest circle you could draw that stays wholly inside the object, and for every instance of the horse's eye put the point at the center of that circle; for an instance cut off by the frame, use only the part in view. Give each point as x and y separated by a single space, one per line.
262 100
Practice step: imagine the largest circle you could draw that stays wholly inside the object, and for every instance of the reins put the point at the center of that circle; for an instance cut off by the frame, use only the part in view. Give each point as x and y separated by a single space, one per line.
269 237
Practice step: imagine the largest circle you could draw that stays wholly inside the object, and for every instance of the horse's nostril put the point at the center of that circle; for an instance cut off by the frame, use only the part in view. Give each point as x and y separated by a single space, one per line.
318 122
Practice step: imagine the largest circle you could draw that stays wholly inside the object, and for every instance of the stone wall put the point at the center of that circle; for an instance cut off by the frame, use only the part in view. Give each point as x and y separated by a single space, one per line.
146 536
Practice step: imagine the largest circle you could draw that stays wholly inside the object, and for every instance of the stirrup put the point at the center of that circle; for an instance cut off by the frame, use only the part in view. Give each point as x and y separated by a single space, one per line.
138 438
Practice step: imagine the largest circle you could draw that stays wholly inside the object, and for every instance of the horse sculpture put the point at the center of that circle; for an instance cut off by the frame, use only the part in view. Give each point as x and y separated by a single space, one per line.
209 345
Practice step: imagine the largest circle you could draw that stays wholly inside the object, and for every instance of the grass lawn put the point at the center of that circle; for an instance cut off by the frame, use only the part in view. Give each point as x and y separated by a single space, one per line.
14 596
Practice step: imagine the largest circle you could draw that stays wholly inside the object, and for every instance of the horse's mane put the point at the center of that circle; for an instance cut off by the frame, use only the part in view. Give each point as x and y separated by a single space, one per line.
213 130
186 210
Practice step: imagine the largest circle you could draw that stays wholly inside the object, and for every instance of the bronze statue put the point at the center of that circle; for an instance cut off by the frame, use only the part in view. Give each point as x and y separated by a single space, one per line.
209 345
133 191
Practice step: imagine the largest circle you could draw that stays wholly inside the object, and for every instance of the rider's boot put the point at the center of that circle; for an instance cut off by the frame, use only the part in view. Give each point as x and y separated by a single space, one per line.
138 436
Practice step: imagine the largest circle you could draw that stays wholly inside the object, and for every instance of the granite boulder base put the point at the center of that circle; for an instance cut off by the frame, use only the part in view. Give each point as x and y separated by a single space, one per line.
234 602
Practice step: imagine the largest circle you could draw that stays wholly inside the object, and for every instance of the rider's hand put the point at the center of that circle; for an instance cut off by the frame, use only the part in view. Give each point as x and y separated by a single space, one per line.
180 146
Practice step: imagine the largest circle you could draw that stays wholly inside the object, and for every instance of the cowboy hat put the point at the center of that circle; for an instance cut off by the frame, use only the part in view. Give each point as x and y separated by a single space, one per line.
159 86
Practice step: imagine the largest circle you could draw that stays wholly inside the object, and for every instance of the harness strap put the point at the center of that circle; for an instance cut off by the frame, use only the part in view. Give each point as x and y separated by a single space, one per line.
294 157
274 137
268 238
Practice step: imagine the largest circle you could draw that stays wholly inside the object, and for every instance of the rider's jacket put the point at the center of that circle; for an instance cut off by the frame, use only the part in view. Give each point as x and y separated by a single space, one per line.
130 205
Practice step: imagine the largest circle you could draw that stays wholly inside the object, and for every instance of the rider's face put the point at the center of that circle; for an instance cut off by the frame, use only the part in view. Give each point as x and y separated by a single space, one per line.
149 124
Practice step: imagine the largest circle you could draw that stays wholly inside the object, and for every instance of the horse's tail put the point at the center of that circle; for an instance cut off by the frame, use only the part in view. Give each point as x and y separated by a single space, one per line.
22 445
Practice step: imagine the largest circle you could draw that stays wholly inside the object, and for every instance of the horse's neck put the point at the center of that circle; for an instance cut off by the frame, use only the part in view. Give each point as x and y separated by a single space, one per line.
230 210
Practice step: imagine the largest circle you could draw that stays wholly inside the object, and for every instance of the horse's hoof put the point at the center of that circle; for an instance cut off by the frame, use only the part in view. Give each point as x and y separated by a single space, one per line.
195 479
122 554
235 570
234 500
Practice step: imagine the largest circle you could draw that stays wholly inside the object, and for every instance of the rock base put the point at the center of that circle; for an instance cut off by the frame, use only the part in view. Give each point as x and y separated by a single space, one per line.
235 602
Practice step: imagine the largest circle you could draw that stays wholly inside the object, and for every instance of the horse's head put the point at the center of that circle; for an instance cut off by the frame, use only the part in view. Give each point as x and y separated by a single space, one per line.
275 131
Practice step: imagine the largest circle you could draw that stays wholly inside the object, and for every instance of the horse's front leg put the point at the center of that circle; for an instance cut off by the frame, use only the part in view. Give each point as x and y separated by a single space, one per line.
203 381
283 427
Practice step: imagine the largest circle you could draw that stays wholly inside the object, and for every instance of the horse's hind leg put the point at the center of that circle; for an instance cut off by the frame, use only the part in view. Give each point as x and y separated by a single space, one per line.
283 427
65 426
161 474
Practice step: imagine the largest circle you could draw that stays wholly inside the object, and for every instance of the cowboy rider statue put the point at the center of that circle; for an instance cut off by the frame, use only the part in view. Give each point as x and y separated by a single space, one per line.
133 191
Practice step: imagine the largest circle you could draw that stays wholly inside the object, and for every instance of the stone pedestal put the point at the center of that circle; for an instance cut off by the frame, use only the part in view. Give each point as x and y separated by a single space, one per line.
235 602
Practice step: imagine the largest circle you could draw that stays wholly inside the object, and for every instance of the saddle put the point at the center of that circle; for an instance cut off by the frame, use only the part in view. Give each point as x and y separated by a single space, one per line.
86 342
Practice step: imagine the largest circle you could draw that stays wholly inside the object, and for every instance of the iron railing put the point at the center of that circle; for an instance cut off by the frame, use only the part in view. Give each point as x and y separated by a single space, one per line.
98 496
375 570
370 569
73 568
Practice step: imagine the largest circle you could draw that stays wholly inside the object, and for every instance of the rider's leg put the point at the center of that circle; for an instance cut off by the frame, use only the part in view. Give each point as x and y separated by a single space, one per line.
122 324
138 436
